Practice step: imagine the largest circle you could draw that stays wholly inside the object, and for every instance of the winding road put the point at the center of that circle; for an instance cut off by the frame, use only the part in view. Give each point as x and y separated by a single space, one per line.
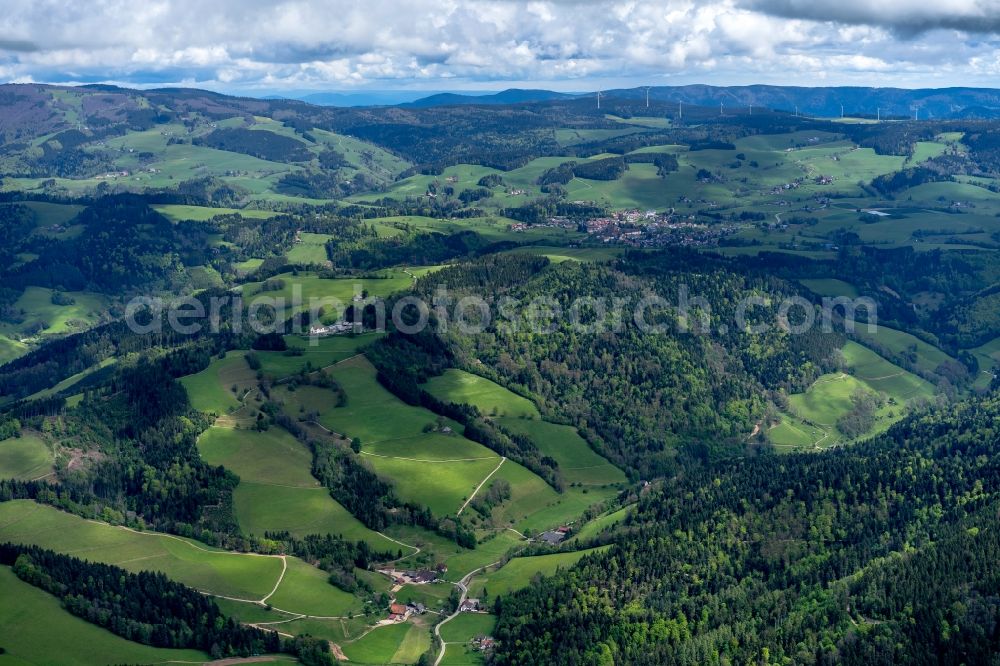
463 585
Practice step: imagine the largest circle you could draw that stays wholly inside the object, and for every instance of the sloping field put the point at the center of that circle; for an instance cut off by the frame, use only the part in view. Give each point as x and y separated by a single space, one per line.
287 583
518 572
25 458
35 629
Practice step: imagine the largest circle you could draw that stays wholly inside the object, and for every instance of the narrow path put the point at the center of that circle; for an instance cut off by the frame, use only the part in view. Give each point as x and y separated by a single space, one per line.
284 568
427 460
416 550
502 460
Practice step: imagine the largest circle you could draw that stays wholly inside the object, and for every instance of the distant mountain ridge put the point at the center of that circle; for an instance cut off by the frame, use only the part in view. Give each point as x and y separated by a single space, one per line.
509 96
940 103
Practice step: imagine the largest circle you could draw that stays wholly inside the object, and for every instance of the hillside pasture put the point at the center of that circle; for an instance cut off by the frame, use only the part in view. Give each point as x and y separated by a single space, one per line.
518 572
277 491
211 390
30 618
25 458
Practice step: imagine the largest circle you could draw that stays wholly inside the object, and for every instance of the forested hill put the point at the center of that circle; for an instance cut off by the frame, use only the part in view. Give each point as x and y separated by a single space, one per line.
884 553
648 400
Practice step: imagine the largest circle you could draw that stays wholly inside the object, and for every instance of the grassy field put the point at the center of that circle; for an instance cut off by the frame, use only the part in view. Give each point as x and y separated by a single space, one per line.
36 303
518 572
459 633
316 352
211 389
302 589
25 458
467 626
435 469
305 589
273 456
601 523
830 287
560 254
462 655
306 290
11 349
579 463
827 399
883 376
989 358
184 560
813 415
179 212
439 469
277 490
35 629
489 397
310 249
924 356
220 388
401 643
432 595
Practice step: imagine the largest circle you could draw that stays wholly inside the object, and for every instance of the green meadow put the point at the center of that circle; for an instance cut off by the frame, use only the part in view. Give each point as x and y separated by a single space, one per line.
601 523
11 349
988 356
39 311
466 626
301 588
300 292
558 255
309 249
179 212
813 415
490 398
518 572
211 389
277 490
924 356
316 352
830 287
35 629
26 457
401 643
184 560
579 463
435 469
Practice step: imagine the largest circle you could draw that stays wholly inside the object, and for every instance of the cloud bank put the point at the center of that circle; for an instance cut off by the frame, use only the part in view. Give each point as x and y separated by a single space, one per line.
256 45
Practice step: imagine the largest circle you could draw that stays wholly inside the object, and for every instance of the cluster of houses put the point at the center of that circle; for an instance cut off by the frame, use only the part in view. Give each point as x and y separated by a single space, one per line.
784 187
402 612
415 576
337 328
639 228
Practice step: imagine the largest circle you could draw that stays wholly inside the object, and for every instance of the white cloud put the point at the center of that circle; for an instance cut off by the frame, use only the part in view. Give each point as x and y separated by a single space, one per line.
246 44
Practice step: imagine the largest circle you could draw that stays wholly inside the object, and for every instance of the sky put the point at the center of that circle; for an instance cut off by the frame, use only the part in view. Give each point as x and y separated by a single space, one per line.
259 47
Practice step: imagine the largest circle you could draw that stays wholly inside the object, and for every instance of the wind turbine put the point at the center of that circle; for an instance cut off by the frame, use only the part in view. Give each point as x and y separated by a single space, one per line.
841 111
647 97
878 114
751 109
680 110
722 111
598 99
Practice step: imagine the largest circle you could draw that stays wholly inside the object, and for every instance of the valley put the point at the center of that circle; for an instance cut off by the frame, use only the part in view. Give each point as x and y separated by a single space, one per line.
356 487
